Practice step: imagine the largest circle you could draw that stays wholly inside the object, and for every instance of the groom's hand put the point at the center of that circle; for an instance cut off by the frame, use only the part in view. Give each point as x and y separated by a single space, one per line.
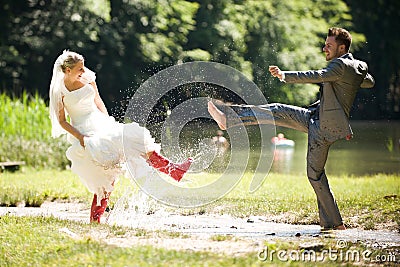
275 71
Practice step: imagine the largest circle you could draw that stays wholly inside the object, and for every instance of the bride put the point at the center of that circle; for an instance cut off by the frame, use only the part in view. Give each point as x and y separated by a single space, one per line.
97 150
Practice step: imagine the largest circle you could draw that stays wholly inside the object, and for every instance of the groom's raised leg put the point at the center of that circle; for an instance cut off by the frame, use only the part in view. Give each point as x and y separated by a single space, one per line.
217 115
227 115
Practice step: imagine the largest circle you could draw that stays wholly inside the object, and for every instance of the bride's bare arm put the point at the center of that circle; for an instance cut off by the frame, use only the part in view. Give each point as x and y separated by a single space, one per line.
97 99
68 127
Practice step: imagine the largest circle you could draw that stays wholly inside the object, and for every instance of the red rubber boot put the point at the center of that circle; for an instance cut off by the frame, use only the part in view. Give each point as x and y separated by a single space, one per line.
97 211
175 170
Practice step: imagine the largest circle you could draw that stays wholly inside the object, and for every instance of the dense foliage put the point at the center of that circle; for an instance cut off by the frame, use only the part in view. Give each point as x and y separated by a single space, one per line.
25 134
376 19
127 41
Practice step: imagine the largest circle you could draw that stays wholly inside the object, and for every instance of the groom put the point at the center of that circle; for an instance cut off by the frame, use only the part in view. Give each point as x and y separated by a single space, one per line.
326 121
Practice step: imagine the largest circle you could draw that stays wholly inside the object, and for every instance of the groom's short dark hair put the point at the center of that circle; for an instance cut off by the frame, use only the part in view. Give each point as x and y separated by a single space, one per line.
342 36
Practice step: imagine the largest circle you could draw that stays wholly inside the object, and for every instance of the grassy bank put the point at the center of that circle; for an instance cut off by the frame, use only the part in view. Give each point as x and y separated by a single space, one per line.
282 198
26 116
26 133
40 241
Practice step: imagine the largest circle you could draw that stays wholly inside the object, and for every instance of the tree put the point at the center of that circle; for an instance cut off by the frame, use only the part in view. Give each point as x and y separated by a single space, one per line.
290 34
143 38
130 40
36 33
377 19
250 35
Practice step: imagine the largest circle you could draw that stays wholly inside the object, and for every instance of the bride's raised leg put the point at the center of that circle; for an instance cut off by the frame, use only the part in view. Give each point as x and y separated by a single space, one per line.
175 170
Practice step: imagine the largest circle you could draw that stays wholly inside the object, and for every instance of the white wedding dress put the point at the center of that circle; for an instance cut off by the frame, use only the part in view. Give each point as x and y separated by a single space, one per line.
108 144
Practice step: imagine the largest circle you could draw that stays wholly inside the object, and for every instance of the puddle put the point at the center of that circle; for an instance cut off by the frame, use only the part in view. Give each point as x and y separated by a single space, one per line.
206 225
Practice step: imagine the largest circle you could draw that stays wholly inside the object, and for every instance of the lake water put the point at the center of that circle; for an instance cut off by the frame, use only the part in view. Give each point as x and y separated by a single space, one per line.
375 148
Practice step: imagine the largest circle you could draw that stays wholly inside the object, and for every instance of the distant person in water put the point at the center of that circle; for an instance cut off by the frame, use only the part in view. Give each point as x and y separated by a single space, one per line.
97 151
220 141
278 138
281 141
326 121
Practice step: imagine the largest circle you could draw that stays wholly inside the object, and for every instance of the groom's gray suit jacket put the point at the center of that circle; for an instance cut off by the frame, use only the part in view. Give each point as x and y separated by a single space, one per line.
341 79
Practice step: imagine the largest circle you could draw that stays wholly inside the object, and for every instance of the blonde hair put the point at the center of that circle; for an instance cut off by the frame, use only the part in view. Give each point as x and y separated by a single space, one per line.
72 58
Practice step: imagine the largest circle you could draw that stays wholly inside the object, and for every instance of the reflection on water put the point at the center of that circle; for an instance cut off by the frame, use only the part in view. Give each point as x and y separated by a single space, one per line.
283 159
374 149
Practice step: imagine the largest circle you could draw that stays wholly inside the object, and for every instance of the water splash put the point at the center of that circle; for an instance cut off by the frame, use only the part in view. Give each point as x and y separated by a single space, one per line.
132 208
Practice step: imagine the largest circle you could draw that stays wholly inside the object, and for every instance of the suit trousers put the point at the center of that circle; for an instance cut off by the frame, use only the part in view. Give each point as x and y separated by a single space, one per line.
307 121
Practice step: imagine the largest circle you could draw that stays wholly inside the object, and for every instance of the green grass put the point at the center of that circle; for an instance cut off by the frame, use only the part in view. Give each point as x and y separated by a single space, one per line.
48 241
26 133
26 116
282 198
368 202
38 241
34 187
35 153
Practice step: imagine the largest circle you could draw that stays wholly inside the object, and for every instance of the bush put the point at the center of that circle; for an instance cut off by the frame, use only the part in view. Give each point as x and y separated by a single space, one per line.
36 153
26 131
